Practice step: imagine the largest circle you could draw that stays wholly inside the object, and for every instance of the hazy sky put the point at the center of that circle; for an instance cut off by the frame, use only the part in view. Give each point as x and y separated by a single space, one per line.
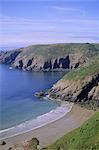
25 22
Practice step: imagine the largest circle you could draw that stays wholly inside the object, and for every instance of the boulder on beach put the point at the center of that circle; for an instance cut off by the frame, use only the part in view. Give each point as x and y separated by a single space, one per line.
2 143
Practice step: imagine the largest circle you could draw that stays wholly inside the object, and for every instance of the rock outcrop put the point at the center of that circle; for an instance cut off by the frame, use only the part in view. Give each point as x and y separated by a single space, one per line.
82 91
80 86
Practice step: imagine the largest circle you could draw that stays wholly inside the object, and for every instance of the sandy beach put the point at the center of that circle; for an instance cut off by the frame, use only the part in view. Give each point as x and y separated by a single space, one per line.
49 133
47 118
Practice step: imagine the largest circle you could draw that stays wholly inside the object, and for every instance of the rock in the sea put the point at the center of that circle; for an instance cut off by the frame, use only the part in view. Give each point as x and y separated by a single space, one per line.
40 94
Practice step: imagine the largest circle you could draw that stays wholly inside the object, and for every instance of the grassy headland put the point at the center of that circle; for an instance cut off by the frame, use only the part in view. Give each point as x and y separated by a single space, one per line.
50 57
85 137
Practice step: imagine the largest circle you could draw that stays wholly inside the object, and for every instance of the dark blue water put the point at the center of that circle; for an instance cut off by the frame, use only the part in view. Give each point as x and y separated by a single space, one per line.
17 100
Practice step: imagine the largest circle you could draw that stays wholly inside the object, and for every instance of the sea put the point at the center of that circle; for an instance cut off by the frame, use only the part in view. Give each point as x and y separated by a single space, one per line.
17 101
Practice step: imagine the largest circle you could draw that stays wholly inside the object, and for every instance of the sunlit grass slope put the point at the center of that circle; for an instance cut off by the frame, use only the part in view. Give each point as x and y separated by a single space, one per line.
85 137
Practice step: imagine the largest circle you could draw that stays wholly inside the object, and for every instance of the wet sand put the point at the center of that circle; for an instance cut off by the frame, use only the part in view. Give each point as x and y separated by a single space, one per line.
53 131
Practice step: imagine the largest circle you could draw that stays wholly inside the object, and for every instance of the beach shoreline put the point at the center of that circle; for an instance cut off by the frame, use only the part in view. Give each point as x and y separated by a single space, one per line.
38 122
49 133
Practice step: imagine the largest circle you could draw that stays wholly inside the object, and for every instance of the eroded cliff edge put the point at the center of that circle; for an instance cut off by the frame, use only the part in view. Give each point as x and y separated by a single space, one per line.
54 57
80 85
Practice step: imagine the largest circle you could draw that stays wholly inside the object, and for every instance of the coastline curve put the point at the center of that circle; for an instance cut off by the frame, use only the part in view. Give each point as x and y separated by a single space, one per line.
40 121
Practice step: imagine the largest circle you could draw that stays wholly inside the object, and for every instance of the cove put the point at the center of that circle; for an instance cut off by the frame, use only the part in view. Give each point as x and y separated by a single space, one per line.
17 101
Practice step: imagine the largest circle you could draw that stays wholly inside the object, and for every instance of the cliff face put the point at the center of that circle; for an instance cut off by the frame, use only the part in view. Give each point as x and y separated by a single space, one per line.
49 57
81 86
81 90
44 64
8 57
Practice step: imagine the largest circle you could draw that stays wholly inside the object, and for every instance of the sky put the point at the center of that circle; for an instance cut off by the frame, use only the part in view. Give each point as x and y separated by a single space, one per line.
26 22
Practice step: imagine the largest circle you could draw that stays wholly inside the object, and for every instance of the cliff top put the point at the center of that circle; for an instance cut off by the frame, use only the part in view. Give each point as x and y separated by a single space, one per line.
55 50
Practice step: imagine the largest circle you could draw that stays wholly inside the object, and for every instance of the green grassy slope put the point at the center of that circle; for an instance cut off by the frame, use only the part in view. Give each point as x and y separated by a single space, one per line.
85 137
82 72
55 50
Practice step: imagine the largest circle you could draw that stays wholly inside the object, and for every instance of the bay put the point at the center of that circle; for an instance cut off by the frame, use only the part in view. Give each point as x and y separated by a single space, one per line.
17 101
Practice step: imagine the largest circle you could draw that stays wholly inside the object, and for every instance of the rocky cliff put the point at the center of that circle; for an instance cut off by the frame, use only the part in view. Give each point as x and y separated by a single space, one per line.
50 57
80 85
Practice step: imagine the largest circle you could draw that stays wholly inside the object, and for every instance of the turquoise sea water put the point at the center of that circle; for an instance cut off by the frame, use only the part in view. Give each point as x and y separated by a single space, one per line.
17 101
